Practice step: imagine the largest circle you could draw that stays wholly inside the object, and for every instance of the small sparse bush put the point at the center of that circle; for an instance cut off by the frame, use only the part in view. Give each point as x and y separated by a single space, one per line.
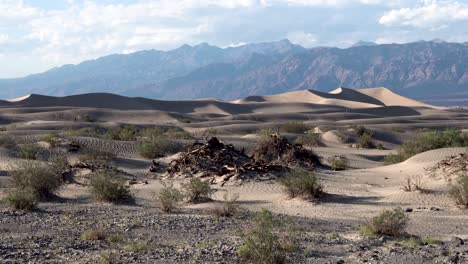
22 200
365 141
294 127
29 151
338 163
393 159
197 190
380 146
93 234
388 222
418 241
97 157
459 191
362 130
123 133
302 183
84 132
310 139
8 142
135 247
40 179
268 241
398 129
106 186
413 183
169 198
52 138
229 208
110 258
157 147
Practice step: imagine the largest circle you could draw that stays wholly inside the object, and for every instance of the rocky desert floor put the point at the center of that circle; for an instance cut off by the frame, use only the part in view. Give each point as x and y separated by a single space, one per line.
140 232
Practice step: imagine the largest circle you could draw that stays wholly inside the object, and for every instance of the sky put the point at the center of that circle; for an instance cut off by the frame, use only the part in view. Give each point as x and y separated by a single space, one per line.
36 35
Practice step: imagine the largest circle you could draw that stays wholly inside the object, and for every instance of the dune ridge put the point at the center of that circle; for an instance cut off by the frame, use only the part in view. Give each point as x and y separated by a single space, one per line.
340 99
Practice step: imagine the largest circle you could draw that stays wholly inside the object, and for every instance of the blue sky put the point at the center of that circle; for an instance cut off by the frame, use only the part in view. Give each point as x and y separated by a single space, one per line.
36 35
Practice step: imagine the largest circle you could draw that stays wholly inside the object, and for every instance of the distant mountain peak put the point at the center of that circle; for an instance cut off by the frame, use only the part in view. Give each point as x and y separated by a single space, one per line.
362 43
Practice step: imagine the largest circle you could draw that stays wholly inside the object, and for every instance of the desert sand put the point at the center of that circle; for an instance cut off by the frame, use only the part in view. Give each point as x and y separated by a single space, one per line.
353 195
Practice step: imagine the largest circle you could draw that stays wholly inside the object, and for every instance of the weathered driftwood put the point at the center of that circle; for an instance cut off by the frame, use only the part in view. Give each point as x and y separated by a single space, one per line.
223 162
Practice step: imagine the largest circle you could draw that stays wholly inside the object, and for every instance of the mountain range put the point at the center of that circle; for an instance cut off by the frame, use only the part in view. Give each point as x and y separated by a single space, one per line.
432 71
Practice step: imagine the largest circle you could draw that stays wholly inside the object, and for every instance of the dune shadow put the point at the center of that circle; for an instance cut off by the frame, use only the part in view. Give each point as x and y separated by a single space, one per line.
346 199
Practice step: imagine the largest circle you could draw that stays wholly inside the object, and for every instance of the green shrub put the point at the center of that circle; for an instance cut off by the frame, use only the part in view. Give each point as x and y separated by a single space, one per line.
229 207
29 151
135 247
302 183
388 222
197 190
361 130
268 241
52 138
84 132
429 140
42 180
8 142
157 147
106 186
393 159
338 163
310 139
123 133
169 198
365 141
93 234
398 129
459 191
22 200
294 127
97 157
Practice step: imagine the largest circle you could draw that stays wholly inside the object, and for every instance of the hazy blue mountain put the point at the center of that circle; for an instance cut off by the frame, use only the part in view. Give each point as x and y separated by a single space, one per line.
432 70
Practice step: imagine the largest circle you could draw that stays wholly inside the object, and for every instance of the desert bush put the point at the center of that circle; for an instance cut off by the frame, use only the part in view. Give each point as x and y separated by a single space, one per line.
169 197
97 157
310 139
365 141
229 207
52 138
179 135
398 129
39 179
135 247
156 147
413 183
84 132
361 130
108 187
29 151
429 140
8 142
276 148
268 241
302 183
22 200
338 163
123 133
380 146
197 190
294 127
459 191
393 159
388 222
93 234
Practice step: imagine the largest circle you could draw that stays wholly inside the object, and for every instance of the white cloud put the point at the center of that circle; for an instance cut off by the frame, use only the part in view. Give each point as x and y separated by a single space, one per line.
303 38
428 14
